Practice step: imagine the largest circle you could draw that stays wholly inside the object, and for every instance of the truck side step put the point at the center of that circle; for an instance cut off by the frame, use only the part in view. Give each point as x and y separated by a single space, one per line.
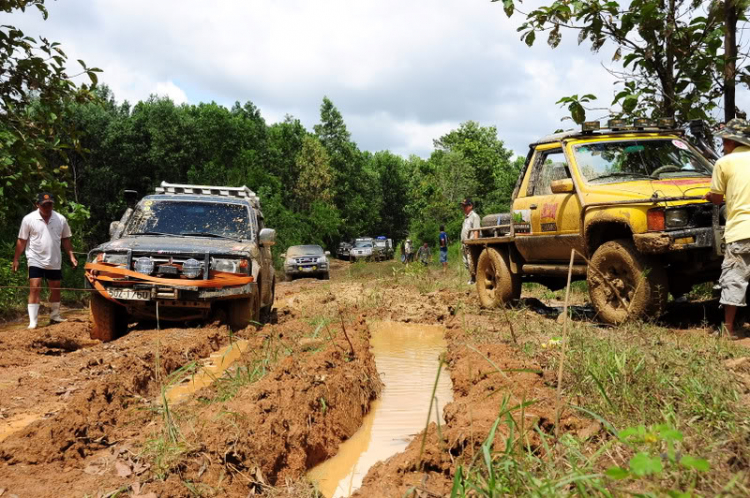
554 270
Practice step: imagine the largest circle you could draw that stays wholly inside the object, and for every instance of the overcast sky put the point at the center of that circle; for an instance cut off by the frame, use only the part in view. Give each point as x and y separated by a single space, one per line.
402 73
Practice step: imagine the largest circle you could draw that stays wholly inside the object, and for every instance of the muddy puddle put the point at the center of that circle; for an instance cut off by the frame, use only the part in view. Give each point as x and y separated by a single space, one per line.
407 358
210 370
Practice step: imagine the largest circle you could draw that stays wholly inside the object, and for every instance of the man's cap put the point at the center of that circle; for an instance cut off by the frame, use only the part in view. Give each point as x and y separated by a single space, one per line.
44 197
737 130
467 202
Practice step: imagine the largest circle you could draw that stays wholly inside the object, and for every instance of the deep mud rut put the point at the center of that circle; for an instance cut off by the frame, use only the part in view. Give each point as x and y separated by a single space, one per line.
82 418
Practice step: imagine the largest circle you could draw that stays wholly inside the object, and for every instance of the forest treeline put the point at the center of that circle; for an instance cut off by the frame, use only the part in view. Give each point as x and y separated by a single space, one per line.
316 186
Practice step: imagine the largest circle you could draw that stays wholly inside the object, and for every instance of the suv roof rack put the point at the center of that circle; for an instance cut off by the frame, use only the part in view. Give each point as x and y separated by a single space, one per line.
180 188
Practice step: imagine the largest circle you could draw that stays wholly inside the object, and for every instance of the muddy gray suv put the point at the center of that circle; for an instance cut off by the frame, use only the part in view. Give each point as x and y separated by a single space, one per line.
185 252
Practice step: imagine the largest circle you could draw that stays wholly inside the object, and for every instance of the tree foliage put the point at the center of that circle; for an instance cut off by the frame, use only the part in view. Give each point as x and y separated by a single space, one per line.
35 91
669 56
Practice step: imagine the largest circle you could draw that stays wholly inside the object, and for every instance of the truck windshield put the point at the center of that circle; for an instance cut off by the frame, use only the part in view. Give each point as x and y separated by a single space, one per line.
610 162
211 219
297 251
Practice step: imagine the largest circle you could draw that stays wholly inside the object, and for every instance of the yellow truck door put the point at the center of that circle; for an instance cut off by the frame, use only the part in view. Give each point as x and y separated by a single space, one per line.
549 222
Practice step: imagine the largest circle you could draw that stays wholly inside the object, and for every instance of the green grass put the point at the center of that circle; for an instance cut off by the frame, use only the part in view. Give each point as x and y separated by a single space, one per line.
671 414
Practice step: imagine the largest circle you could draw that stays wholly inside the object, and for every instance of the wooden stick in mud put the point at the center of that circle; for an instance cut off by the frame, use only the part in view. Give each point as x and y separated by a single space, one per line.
563 347
341 315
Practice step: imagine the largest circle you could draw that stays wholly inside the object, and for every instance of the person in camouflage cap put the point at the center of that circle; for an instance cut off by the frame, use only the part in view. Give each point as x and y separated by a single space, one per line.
731 184
737 130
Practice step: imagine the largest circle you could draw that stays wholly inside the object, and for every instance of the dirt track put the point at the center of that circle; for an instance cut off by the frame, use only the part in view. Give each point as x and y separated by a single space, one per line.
78 417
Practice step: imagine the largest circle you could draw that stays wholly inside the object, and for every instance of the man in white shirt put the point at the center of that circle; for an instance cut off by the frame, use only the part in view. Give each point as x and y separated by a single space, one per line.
41 234
471 221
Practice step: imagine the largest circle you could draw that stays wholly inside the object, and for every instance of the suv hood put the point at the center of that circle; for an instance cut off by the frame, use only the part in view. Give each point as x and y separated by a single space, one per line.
641 189
187 245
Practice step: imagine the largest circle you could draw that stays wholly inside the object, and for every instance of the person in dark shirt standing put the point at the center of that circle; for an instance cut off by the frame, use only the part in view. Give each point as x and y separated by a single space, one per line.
443 244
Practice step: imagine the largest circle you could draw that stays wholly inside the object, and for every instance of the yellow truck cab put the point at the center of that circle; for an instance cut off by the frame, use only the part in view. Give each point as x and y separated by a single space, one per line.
627 199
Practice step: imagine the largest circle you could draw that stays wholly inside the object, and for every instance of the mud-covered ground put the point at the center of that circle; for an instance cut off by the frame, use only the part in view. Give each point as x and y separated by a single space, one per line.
82 418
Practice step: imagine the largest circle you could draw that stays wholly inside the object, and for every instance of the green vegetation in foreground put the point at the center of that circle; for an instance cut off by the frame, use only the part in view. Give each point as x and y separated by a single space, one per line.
673 422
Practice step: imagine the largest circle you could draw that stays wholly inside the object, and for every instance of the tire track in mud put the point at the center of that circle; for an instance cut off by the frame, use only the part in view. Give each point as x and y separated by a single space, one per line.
295 416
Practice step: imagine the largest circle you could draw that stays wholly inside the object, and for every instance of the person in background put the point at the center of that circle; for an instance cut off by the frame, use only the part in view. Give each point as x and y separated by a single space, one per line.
443 244
731 183
41 234
408 249
424 255
471 221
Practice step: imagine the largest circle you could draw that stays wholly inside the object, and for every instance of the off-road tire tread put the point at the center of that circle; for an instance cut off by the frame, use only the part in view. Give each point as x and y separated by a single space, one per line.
507 284
651 298
108 320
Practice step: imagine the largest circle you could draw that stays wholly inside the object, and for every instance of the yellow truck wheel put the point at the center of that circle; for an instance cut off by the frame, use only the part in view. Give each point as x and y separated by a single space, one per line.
108 320
496 284
624 284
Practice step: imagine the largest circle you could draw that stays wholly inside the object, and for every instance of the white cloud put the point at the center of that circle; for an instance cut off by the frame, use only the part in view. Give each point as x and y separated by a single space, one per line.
169 89
401 73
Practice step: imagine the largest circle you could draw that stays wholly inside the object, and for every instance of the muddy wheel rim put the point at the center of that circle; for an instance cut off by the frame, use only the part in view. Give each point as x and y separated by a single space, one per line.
618 276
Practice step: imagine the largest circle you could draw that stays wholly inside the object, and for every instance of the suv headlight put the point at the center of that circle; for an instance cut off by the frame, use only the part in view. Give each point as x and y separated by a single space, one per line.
225 265
676 218
144 265
115 258
191 268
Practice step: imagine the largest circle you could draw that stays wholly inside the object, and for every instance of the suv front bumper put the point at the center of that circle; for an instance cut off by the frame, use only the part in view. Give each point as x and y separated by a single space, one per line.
675 240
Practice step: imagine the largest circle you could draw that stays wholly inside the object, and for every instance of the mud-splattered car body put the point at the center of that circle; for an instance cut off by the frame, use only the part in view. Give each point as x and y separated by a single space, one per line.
362 250
628 198
183 234
306 261
383 249
343 250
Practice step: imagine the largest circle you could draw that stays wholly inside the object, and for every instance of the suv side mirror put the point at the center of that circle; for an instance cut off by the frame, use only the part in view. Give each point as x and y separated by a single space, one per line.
562 186
131 197
267 237
114 227
328 253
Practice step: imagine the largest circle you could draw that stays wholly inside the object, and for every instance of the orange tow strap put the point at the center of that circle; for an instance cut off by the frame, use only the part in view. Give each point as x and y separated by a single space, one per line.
217 279
106 272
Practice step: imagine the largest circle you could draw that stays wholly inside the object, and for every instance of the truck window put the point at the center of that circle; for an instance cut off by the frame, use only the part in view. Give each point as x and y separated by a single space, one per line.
175 217
628 160
551 166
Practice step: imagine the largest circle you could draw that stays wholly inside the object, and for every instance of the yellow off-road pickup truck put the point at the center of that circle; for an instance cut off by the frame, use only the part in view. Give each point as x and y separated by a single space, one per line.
628 199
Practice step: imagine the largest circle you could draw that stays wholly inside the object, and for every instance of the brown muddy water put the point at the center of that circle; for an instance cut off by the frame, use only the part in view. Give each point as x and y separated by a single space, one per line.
407 358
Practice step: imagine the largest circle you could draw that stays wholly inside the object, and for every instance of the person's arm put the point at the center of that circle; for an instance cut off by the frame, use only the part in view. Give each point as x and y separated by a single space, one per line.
714 198
20 247
718 184
68 246
476 222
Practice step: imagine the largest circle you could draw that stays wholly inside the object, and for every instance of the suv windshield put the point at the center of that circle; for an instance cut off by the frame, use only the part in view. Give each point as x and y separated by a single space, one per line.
211 219
363 243
297 251
610 162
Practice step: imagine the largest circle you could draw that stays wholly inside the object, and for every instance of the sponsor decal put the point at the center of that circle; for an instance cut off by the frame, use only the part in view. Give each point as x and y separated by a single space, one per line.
522 220
680 144
549 227
549 212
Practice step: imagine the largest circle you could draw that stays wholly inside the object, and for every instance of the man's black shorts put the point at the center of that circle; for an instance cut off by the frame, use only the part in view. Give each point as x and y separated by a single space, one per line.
35 272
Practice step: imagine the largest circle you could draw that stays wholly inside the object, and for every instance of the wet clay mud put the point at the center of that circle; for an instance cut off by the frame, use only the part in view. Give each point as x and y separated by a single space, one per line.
407 359
212 368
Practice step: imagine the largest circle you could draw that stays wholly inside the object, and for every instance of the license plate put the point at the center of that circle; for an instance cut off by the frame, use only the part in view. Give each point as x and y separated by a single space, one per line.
308 268
719 244
130 294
